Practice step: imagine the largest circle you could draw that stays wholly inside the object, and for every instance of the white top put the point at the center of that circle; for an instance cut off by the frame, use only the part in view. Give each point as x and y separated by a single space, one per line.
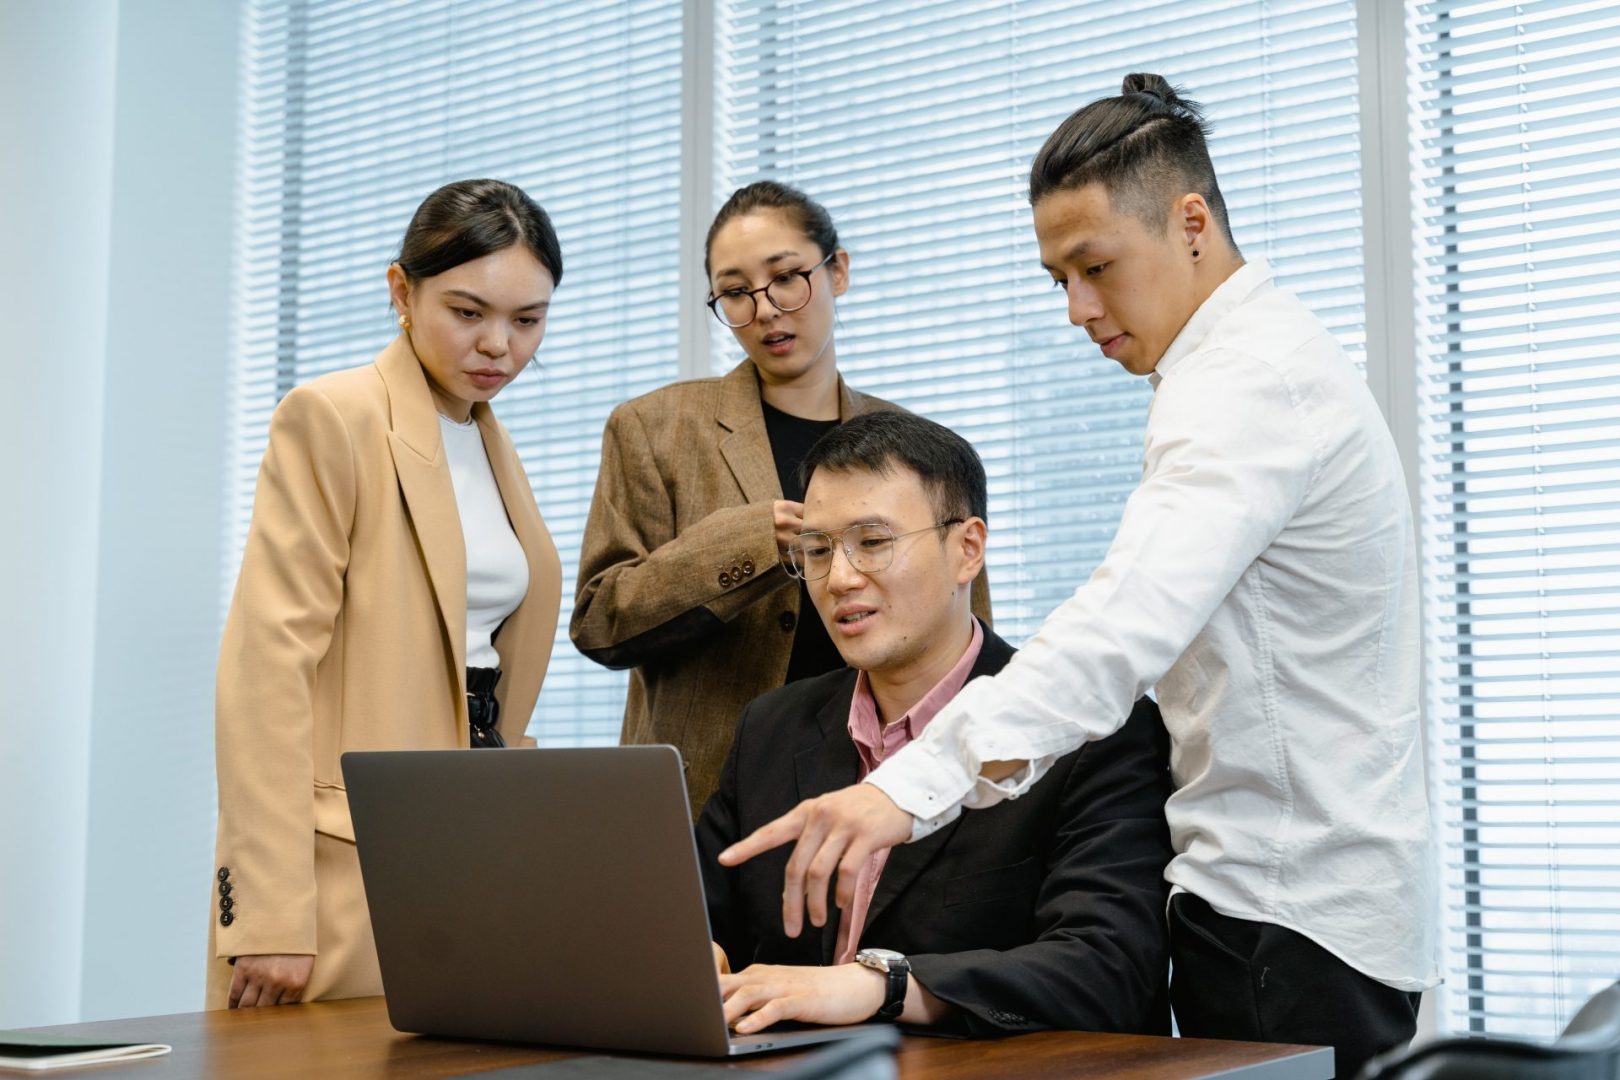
497 569
1264 578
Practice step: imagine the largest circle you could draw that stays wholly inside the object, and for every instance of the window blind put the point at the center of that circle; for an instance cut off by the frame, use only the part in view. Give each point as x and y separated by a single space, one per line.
914 122
354 110
1519 387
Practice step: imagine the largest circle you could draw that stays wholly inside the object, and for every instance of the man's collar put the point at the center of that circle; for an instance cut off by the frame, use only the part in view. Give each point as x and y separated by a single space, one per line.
866 724
1228 295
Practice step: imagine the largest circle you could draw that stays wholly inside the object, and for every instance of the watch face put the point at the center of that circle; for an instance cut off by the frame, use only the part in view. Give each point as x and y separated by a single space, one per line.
879 958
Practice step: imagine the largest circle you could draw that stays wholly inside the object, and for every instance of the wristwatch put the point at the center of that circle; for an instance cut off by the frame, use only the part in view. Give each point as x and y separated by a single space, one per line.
898 969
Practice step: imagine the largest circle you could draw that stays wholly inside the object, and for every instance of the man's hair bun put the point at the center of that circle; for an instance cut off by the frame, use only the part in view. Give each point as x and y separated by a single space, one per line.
1147 147
1153 85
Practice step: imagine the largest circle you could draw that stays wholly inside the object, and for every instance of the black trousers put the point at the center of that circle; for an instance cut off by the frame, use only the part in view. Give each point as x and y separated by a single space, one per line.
483 711
1238 979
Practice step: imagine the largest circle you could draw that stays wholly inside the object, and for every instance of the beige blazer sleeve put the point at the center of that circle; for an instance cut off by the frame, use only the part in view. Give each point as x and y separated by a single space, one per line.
294 563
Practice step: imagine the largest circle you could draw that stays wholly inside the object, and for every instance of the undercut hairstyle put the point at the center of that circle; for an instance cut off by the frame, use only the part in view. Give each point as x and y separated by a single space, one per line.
1147 147
807 215
469 219
950 470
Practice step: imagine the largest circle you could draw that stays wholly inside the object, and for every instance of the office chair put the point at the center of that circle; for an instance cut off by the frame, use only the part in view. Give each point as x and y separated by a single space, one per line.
1589 1049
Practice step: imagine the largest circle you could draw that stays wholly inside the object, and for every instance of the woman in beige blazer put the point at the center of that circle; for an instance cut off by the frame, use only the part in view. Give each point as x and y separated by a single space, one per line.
395 541
680 574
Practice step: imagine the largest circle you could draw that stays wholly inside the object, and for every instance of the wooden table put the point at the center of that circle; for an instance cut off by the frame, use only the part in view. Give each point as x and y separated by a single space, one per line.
354 1039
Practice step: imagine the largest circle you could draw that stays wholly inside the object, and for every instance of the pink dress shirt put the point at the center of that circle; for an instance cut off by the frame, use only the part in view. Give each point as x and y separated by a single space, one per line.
875 743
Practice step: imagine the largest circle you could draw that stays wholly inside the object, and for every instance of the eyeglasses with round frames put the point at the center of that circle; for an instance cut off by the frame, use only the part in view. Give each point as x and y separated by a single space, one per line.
869 546
787 291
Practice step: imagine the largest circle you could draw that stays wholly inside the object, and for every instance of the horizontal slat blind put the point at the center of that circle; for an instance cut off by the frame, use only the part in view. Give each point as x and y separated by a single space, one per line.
1519 388
354 110
915 122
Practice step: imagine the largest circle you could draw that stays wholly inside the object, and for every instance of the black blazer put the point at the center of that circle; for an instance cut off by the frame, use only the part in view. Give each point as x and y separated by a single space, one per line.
1045 911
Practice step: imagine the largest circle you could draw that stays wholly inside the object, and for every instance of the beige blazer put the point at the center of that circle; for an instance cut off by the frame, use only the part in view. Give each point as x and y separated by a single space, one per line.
348 632
679 577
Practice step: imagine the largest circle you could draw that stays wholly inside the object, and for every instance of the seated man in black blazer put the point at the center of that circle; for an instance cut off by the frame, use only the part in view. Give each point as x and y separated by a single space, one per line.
1043 912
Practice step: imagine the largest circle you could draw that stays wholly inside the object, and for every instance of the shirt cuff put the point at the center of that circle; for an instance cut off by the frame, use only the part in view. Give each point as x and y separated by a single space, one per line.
925 785
988 792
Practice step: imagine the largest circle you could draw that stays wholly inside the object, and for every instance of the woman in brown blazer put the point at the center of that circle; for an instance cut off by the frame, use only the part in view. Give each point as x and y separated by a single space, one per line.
680 574
398 589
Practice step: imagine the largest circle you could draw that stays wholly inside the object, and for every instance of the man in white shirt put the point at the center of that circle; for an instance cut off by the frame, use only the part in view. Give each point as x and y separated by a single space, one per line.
1263 579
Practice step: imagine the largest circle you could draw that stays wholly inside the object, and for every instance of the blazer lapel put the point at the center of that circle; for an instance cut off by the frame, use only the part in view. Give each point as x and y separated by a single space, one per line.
908 860
424 480
904 864
828 765
526 634
833 762
849 401
747 449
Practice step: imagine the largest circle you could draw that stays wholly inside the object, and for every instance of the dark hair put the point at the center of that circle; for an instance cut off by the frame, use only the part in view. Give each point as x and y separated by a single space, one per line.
807 215
1146 147
469 219
948 466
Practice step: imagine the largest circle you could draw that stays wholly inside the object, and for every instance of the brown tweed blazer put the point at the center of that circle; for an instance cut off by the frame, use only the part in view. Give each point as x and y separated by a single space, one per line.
679 578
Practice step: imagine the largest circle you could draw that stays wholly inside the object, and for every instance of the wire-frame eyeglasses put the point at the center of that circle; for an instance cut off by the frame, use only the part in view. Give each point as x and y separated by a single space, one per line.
868 545
789 290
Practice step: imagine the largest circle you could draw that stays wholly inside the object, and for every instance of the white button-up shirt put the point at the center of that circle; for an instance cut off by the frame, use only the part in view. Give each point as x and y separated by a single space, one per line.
1264 579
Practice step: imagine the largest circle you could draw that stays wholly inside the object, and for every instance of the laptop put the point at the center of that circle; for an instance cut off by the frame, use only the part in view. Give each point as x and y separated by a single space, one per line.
544 896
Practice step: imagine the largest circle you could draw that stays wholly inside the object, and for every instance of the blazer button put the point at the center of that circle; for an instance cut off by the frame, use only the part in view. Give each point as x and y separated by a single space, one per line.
736 573
725 580
786 622
225 888
748 568
224 872
226 918
226 903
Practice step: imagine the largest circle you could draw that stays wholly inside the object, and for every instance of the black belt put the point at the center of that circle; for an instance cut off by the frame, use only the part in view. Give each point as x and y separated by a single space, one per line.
483 711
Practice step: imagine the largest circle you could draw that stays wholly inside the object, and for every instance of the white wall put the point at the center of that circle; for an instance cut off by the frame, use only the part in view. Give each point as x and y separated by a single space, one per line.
151 797
57 64
115 189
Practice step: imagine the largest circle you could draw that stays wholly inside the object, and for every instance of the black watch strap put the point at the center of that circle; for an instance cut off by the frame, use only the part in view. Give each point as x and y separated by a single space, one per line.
894 1002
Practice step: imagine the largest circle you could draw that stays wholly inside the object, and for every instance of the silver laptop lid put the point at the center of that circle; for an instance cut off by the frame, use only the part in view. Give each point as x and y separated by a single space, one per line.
538 896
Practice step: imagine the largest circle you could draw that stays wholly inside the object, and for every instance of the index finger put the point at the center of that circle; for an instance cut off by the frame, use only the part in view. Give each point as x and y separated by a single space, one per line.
773 834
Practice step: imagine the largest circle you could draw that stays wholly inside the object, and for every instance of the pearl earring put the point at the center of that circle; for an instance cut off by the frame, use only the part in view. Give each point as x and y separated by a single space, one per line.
405 321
